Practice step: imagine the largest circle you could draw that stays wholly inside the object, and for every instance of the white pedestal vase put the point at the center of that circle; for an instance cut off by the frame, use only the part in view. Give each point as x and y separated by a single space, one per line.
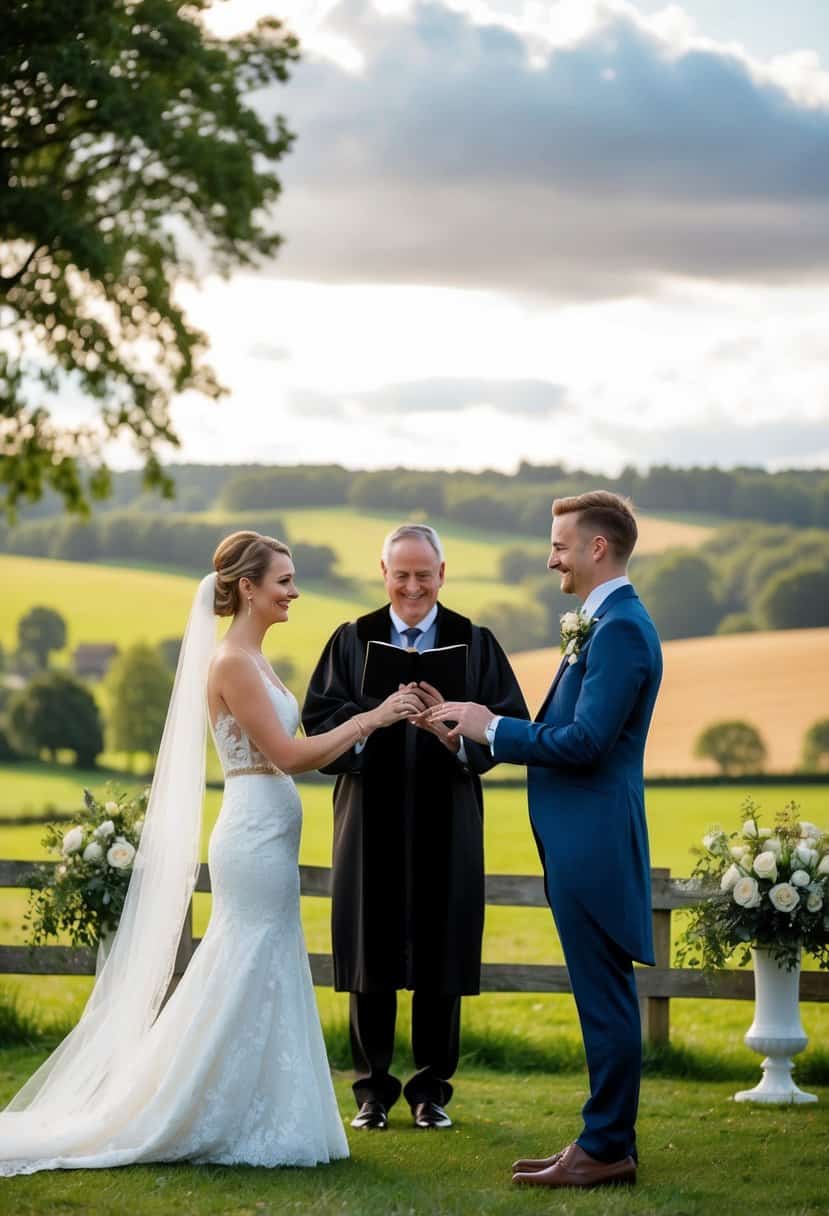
776 1032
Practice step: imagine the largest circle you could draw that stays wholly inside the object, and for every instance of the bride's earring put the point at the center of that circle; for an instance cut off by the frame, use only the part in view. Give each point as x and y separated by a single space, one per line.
250 601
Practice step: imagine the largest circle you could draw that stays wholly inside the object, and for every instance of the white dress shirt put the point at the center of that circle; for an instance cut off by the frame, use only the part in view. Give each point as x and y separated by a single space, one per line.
588 610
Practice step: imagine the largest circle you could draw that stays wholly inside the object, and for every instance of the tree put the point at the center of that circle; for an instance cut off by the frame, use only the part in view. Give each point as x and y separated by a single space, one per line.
680 596
737 622
816 746
169 649
127 145
734 746
797 599
39 632
517 626
140 683
53 712
515 564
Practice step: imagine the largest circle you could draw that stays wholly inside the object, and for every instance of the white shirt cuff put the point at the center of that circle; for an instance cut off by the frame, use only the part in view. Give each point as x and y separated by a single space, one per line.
461 753
490 732
358 747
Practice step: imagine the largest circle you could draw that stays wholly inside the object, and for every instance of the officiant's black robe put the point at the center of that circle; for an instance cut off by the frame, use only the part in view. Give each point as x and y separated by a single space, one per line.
408 864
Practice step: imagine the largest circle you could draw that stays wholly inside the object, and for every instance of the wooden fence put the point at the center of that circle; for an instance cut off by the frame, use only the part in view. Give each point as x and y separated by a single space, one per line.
656 985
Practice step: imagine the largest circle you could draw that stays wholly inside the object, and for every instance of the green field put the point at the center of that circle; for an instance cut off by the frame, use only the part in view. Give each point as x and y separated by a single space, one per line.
678 817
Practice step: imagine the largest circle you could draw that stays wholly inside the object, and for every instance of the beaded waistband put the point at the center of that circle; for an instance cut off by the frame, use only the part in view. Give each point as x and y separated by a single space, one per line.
268 770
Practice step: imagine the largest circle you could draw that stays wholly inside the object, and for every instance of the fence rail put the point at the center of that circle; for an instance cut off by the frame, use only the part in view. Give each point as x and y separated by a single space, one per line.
656 985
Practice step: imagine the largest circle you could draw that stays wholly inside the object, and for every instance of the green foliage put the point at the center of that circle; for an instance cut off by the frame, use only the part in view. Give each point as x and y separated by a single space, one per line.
760 887
737 622
679 593
83 895
734 746
816 746
301 486
41 631
56 711
140 683
127 143
798 598
515 626
169 649
516 563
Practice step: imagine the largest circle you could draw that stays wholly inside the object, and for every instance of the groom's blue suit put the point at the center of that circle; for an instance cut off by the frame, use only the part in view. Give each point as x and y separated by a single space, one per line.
584 754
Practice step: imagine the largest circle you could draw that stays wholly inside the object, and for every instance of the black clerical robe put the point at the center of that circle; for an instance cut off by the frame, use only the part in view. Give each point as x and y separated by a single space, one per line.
408 864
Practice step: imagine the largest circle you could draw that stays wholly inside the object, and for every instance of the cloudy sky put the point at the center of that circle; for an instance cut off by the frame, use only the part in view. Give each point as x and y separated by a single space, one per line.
589 231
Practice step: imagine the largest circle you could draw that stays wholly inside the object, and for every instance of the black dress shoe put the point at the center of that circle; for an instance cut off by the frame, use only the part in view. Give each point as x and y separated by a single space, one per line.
372 1117
430 1115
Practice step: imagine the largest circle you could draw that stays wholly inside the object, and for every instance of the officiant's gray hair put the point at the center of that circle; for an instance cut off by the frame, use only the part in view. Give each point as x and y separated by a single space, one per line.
412 532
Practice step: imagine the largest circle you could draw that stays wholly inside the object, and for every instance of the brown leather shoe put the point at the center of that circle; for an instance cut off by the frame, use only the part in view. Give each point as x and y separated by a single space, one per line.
531 1165
577 1168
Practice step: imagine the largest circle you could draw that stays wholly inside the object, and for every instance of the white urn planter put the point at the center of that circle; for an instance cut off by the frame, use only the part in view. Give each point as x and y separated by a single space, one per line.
776 1032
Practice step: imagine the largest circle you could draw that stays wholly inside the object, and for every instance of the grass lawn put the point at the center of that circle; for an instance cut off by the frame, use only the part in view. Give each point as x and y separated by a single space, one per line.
698 1153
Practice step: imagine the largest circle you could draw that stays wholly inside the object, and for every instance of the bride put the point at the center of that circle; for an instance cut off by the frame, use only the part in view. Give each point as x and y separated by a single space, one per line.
232 1069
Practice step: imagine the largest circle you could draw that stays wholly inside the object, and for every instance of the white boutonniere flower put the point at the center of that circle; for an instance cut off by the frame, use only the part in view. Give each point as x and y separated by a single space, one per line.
574 631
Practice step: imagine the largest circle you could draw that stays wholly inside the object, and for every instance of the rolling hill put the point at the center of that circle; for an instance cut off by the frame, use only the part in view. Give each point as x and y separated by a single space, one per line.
778 681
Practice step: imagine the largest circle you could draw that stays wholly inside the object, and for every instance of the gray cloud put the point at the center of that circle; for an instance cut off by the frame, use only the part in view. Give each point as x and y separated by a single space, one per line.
723 442
536 398
452 159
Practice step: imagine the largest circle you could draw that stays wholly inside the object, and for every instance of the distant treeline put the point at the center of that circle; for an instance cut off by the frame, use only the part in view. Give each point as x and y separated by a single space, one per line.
517 502
745 577
169 540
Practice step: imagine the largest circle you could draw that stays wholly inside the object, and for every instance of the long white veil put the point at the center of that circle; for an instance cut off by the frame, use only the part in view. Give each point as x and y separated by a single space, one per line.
130 989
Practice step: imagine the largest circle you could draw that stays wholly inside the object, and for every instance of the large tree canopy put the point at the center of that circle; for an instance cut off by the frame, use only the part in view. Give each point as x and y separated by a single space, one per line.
129 160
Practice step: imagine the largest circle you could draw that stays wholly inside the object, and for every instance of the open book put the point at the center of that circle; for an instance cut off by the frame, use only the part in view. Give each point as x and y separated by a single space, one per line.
388 666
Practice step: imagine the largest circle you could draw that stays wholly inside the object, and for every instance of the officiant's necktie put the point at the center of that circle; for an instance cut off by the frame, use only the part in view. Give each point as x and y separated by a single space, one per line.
411 635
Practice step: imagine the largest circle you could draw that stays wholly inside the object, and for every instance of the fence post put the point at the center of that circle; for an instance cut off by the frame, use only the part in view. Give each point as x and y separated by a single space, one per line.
656 1010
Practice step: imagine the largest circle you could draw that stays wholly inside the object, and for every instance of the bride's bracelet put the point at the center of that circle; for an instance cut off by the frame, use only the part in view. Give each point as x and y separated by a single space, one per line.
362 733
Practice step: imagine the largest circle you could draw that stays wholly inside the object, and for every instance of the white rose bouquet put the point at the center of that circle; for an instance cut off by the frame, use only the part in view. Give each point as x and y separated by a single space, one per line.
83 893
762 886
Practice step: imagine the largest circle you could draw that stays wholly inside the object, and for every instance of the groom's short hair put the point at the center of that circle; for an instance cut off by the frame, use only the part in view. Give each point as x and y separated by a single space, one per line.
604 514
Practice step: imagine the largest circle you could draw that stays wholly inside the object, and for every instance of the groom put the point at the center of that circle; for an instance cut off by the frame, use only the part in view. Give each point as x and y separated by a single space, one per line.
584 756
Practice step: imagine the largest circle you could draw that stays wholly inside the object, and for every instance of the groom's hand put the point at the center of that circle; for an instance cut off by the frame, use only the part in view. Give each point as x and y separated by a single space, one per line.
432 697
471 719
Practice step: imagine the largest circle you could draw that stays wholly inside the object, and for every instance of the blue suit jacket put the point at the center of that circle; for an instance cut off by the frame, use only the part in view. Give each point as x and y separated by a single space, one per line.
584 754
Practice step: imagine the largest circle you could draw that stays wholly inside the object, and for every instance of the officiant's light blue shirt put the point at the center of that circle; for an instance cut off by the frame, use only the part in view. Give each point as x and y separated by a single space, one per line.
590 606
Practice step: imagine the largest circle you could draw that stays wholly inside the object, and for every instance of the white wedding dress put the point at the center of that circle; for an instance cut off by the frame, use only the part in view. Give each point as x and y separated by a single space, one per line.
234 1069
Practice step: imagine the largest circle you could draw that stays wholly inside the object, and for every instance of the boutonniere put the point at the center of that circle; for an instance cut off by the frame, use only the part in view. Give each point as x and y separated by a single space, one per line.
574 630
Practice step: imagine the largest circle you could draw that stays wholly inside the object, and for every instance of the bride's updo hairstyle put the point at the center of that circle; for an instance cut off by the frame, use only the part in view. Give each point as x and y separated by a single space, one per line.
241 555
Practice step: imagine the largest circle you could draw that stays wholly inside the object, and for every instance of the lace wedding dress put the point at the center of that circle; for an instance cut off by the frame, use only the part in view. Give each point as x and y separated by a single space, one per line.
234 1069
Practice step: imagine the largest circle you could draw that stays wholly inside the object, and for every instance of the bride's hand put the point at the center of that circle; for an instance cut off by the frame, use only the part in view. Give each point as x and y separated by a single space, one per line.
424 720
405 703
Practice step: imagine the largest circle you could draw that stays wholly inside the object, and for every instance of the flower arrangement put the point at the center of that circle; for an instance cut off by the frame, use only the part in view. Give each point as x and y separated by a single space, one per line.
83 895
574 630
763 887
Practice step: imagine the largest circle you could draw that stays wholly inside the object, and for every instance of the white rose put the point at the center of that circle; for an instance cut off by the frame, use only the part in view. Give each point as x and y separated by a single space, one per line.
764 833
93 851
120 854
773 845
104 830
805 854
765 866
746 892
574 658
814 901
800 878
750 828
810 829
784 897
737 851
823 868
569 621
73 840
111 808
571 646
730 878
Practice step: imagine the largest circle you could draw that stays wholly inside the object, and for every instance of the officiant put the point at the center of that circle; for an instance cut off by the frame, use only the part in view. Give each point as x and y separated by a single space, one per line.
408 860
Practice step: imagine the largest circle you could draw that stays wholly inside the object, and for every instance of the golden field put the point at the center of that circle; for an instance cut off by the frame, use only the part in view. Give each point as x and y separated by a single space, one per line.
778 681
